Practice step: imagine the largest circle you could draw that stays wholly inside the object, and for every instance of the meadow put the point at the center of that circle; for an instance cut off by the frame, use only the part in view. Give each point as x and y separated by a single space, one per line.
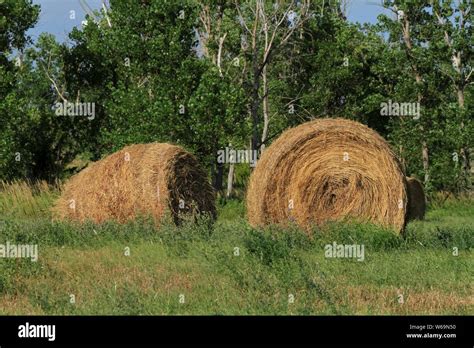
230 268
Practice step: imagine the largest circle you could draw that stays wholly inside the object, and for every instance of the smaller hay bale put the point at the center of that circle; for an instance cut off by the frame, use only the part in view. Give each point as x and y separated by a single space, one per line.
416 199
139 180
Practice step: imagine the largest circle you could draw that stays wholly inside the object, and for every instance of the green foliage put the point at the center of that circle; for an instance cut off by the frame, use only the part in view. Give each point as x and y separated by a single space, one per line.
189 72
443 124
348 69
37 143
16 17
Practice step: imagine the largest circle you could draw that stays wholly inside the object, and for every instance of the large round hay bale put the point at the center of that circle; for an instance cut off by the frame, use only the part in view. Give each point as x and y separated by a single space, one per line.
142 179
416 199
327 170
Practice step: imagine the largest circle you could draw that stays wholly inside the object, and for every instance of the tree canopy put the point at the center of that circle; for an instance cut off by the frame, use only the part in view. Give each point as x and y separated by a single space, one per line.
214 74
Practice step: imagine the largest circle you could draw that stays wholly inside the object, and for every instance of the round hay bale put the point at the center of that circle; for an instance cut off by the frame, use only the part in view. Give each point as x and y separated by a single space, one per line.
142 179
327 170
416 199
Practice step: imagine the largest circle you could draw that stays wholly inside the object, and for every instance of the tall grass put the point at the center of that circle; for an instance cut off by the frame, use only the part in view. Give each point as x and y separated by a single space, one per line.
25 199
228 267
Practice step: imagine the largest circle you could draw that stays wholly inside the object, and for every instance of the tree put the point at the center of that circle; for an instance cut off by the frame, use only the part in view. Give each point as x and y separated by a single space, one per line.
409 21
142 67
453 37
16 17
268 28
416 31
220 40
344 70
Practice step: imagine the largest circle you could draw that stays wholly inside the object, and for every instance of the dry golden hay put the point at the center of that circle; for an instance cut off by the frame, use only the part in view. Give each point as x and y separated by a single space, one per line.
142 179
416 199
326 170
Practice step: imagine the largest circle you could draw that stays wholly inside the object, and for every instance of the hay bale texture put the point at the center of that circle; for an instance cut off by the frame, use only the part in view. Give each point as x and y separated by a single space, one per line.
416 199
142 179
327 170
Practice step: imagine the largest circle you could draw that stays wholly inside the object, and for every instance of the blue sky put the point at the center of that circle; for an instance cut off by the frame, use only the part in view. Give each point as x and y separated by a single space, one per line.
55 15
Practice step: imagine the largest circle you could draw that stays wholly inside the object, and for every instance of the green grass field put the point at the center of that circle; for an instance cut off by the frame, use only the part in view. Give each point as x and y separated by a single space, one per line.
231 268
